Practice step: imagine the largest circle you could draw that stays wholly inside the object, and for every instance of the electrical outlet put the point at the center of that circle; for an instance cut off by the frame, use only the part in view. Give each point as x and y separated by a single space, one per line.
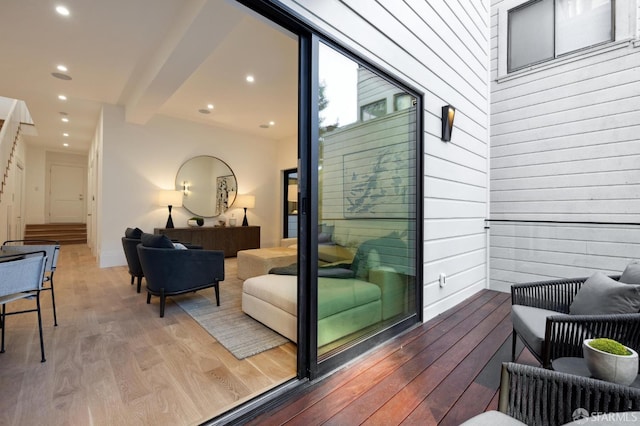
442 279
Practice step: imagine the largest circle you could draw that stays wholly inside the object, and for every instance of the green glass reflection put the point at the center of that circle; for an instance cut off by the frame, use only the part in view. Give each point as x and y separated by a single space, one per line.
366 202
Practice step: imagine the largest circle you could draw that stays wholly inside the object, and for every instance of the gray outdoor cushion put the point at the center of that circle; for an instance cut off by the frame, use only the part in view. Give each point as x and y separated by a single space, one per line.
493 418
603 295
530 324
631 274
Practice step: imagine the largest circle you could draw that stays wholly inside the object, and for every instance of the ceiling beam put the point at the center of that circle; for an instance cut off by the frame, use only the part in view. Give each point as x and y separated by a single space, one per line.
195 35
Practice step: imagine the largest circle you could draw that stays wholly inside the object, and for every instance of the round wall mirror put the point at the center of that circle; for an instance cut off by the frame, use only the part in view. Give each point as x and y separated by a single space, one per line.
208 185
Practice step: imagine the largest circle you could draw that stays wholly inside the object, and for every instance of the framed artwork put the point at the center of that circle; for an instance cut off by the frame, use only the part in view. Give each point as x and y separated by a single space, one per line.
377 183
224 185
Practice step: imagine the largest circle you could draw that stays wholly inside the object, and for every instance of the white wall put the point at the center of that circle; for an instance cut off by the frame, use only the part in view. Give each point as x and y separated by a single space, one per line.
137 161
35 185
564 147
440 48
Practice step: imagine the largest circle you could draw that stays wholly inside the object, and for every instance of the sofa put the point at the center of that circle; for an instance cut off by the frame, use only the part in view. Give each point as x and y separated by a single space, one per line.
352 297
553 318
535 396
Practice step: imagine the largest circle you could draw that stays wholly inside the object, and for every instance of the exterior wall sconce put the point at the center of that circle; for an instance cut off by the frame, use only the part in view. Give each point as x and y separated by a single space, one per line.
448 114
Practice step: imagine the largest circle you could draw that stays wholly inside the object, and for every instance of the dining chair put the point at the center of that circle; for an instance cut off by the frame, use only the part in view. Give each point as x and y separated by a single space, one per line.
52 248
21 277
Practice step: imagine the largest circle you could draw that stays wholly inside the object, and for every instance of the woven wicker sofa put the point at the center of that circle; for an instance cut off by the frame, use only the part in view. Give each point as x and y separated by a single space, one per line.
536 396
542 318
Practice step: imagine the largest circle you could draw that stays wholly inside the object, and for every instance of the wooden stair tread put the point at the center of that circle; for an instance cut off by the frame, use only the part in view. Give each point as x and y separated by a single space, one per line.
65 233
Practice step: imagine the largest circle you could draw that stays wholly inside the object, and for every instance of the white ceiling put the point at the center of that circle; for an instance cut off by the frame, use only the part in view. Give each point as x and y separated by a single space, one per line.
168 57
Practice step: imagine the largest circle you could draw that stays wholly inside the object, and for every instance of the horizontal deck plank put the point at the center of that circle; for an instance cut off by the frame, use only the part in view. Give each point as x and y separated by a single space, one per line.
441 372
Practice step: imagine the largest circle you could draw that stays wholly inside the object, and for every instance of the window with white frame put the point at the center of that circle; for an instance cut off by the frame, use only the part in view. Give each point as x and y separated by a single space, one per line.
541 30
373 110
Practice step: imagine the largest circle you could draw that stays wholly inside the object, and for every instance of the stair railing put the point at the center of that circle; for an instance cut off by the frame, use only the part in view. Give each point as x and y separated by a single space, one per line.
10 135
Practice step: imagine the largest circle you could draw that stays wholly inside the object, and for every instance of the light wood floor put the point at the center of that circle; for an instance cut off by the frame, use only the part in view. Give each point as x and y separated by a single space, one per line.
113 361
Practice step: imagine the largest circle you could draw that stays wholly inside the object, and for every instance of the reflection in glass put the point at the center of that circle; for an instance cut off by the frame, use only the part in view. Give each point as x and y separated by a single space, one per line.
530 34
208 184
290 229
366 203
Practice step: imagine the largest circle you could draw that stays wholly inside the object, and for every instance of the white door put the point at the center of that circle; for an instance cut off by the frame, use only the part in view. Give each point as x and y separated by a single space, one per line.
67 194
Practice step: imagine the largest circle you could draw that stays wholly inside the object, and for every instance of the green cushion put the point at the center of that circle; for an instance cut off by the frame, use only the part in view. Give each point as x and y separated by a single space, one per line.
337 295
603 295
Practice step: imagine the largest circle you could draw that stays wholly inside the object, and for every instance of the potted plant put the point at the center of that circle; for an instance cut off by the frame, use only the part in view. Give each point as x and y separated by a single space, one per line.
195 221
610 360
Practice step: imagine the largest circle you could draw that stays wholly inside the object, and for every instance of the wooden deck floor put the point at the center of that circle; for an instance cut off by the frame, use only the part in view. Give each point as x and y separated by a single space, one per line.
443 372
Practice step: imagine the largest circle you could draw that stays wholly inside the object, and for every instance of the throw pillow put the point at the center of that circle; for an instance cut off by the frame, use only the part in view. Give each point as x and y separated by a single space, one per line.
134 233
156 241
631 274
603 295
365 259
179 246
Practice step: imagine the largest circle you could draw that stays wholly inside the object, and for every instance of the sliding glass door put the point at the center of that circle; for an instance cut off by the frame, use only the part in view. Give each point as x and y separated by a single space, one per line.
366 200
359 204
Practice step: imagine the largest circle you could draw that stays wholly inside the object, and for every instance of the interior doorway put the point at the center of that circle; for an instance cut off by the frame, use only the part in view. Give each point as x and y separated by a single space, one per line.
67 193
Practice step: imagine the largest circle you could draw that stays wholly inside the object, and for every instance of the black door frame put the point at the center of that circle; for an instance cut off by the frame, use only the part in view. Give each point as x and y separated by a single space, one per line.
310 37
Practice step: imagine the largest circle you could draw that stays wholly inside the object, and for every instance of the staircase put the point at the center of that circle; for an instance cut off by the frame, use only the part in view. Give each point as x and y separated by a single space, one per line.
65 233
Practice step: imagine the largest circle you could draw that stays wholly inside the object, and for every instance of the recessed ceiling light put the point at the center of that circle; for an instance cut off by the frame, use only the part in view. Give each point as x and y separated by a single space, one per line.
62 10
62 97
66 135
65 144
61 76
204 111
272 123
62 68
210 106
65 119
250 79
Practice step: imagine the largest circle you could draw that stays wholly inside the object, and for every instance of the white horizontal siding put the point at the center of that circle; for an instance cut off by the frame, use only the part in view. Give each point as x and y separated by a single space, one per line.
522 252
564 147
441 48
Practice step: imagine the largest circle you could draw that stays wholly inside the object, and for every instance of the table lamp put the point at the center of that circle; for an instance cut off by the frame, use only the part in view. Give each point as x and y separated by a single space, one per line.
170 199
246 202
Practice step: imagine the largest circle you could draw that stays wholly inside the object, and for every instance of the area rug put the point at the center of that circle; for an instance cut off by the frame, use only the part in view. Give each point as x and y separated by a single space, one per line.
238 332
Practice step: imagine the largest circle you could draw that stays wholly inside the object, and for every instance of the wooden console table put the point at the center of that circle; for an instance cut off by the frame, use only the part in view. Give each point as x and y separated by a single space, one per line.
230 239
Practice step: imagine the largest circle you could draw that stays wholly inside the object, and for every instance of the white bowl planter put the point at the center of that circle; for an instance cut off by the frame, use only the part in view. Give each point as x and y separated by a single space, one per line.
195 222
621 369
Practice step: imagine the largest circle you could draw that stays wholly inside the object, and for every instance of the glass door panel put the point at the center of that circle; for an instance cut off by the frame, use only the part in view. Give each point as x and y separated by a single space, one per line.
366 201
290 191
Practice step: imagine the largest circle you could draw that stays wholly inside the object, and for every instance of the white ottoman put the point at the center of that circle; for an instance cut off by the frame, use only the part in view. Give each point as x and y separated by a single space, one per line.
256 262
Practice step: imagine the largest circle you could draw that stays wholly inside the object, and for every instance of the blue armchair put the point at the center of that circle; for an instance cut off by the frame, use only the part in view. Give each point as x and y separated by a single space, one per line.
169 271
